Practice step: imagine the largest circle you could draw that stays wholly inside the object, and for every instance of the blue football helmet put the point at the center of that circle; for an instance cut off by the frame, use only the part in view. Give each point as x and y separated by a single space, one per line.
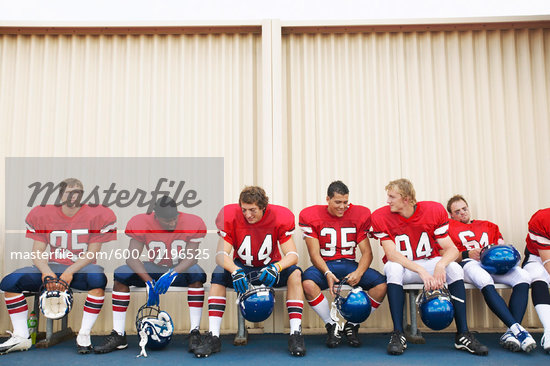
256 304
356 306
155 328
499 259
435 307
56 298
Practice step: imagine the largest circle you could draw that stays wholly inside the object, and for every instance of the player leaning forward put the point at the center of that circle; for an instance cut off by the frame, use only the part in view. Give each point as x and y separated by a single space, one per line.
167 235
410 233
251 230
73 233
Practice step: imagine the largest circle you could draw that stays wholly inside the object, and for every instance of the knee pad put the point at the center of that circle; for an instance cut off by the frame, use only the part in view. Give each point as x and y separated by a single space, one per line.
540 293
96 280
9 283
519 275
454 272
475 274
536 272
394 273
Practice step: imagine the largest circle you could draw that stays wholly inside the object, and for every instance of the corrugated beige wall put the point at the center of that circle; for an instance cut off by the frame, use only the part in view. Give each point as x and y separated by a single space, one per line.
131 96
454 111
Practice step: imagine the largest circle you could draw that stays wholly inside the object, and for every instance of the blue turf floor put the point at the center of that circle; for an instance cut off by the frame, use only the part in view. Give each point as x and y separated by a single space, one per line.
271 349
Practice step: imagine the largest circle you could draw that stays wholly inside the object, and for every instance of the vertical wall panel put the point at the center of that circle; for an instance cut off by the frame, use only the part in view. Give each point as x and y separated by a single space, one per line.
131 96
454 111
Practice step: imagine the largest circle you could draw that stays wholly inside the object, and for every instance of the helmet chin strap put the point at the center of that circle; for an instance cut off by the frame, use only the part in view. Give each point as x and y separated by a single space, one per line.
334 316
142 342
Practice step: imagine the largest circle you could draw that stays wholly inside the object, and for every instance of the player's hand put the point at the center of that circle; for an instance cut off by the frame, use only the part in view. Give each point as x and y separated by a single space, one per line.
440 275
164 282
475 254
428 279
49 286
353 278
331 280
269 275
152 296
240 283
67 277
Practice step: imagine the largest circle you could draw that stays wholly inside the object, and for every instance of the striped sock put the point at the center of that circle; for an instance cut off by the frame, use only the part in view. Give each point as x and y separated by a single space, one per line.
216 308
374 304
121 300
295 309
18 310
92 307
321 307
195 299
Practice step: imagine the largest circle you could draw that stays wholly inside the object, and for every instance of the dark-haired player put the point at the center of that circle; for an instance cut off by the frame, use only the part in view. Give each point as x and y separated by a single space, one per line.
332 233
171 239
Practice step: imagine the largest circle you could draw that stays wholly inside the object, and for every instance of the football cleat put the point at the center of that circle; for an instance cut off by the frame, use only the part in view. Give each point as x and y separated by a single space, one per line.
210 344
527 342
468 342
398 343
194 340
510 342
296 344
545 342
113 342
333 335
83 344
15 343
351 331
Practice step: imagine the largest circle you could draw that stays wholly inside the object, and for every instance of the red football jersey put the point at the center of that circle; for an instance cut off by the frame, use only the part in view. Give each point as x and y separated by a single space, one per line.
538 237
338 236
416 236
476 234
69 236
255 245
166 247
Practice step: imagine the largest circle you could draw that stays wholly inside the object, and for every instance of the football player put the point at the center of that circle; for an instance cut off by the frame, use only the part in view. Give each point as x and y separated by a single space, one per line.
411 233
73 232
470 236
171 239
332 233
537 264
251 230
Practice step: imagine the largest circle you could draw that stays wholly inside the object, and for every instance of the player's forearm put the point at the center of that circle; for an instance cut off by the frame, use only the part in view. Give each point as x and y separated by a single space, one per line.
397 257
545 257
288 260
78 265
185 264
449 256
319 263
42 266
228 264
137 266
364 263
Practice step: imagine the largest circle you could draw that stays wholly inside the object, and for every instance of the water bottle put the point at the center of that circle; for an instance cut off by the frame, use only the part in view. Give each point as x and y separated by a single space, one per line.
32 323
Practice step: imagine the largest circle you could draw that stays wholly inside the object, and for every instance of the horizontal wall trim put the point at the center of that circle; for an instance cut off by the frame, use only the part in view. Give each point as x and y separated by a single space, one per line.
415 27
129 30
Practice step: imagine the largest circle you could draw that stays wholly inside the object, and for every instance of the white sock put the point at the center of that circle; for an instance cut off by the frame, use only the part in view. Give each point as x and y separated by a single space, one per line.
121 300
543 311
216 309
321 307
195 299
92 307
19 311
